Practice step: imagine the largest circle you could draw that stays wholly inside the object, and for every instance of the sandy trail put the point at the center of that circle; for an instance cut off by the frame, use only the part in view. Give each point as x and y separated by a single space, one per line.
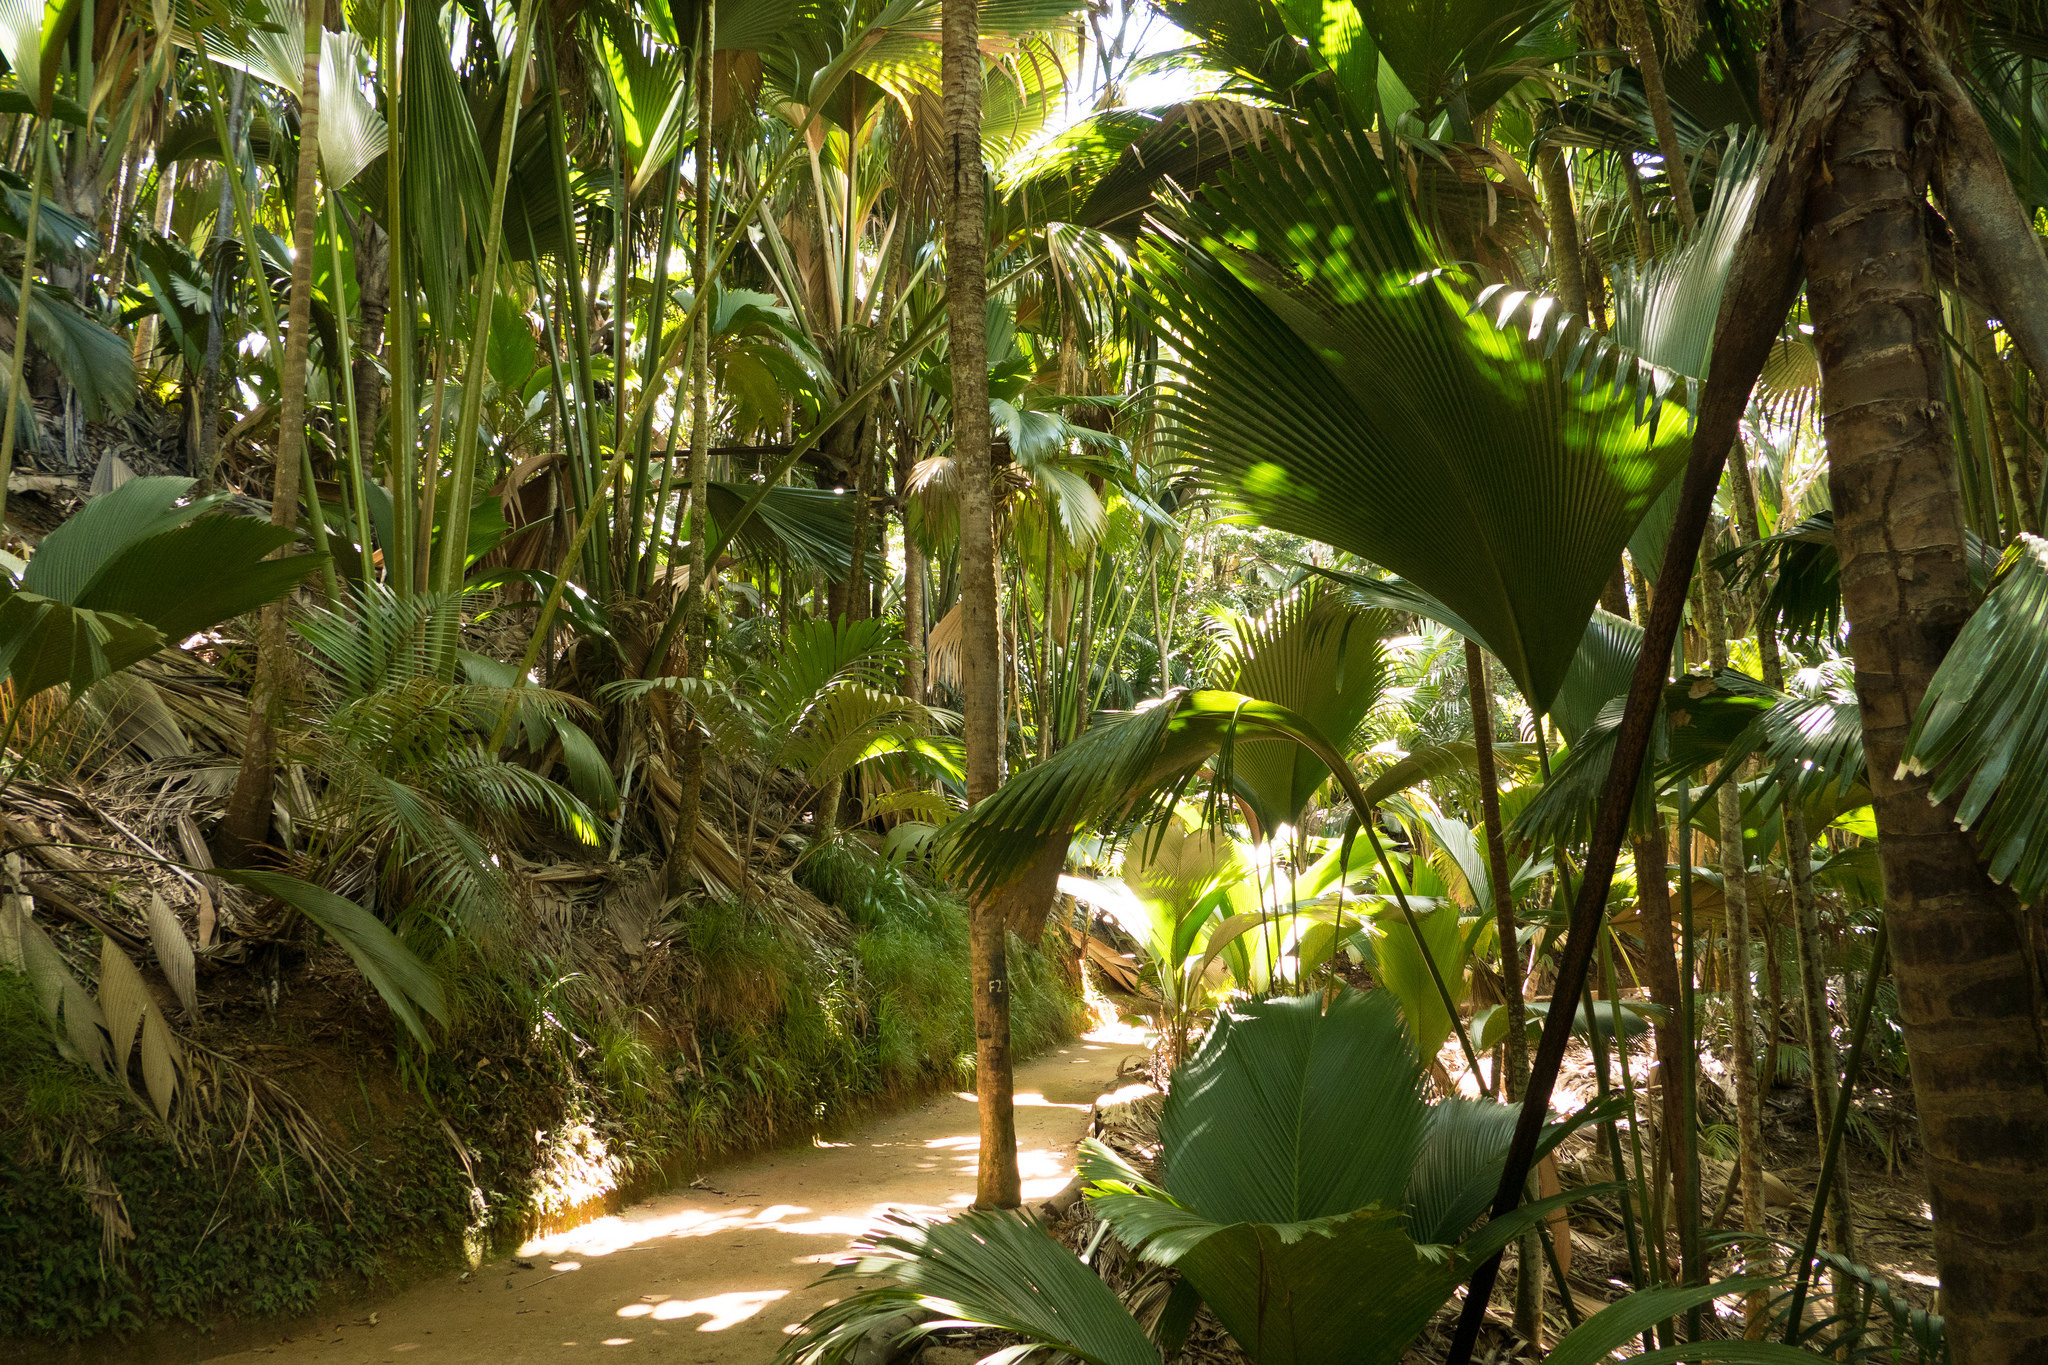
718 1275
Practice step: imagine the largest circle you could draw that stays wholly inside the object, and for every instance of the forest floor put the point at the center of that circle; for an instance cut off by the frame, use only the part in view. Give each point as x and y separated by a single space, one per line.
720 1272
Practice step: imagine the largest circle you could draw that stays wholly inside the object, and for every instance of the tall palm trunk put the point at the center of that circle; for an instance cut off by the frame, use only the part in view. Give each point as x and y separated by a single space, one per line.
1529 1263
980 650
1967 991
690 804
1735 901
246 826
913 570
206 414
373 301
1811 948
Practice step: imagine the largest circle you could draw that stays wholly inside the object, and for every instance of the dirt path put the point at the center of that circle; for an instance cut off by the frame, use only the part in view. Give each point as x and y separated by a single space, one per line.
718 1275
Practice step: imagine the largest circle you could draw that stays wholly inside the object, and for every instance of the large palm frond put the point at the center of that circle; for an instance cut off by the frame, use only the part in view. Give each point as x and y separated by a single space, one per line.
1333 376
1982 729
1321 658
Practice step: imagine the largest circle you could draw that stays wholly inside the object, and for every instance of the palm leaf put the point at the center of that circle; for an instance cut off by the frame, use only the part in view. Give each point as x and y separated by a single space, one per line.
1621 1324
981 1268
1321 658
1333 377
407 984
1982 729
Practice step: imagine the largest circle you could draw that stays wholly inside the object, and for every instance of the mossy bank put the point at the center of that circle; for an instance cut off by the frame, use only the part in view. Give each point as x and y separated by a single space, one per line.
339 1157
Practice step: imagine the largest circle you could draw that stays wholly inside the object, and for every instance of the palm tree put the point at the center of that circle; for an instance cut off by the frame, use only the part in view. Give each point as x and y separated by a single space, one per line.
981 668
1972 1021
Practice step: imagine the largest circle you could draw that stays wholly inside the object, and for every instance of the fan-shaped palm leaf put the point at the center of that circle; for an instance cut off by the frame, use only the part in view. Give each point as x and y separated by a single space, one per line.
1321 658
988 1268
1333 376
132 569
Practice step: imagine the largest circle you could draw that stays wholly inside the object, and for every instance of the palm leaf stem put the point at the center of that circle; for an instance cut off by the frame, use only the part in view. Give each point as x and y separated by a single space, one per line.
1838 1125
1689 1079
402 473
358 486
462 471
252 264
39 139
643 430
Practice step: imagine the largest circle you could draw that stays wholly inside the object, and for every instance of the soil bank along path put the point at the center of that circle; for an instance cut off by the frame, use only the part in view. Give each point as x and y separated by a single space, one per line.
720 1273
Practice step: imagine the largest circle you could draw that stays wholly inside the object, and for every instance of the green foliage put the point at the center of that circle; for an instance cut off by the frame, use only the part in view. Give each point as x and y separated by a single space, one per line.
1335 379
1982 729
1301 1172
136 568
835 1030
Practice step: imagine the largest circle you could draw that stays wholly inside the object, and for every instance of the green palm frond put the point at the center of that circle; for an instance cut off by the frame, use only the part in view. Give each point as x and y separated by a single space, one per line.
407 984
1333 376
133 569
1811 747
1123 768
1982 729
1321 658
982 1268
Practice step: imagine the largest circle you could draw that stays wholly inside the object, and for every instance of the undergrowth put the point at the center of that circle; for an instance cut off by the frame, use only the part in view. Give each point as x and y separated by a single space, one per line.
550 1095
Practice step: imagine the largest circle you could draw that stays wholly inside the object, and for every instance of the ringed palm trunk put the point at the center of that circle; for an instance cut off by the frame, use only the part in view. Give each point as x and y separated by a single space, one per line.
1967 989
690 803
246 826
997 1185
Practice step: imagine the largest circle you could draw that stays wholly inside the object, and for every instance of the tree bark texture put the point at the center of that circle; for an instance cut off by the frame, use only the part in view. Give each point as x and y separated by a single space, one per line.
1566 259
980 652
1966 986
246 826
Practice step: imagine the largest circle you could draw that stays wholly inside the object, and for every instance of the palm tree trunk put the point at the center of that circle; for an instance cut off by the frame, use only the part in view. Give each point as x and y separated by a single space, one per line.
1741 1007
980 651
1998 385
373 301
913 572
1529 1261
246 826
689 805
1642 45
1568 266
206 418
1967 989
1811 948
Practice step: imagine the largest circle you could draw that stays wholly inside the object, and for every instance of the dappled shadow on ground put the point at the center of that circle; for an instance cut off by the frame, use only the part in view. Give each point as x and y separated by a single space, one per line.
720 1272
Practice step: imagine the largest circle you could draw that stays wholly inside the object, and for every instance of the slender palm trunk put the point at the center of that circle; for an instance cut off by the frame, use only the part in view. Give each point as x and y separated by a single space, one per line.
1567 265
913 572
1735 901
373 301
246 826
689 805
1529 1262
1822 1064
1967 989
980 647
206 417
